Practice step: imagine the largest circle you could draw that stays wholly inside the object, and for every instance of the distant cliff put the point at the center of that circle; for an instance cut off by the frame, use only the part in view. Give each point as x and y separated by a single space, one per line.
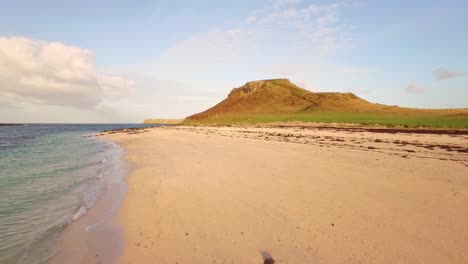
163 121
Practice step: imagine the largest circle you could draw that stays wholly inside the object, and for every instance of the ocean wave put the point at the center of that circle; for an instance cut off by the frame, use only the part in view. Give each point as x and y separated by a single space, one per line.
80 212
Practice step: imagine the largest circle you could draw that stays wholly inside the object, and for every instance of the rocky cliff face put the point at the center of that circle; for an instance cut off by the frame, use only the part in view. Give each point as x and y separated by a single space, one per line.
253 86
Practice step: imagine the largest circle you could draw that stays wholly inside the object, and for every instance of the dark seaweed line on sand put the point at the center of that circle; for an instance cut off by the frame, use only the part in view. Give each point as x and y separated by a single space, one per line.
383 130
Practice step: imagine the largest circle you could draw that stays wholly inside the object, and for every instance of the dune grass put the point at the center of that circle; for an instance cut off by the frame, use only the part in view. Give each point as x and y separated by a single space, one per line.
397 120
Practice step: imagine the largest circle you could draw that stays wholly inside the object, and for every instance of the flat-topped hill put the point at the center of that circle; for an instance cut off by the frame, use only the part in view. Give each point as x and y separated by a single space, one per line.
281 100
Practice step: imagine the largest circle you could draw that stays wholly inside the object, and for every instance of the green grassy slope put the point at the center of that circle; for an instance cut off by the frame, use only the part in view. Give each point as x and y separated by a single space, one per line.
280 100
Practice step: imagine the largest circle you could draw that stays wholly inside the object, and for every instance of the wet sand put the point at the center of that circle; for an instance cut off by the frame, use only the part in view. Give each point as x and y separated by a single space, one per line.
95 236
302 195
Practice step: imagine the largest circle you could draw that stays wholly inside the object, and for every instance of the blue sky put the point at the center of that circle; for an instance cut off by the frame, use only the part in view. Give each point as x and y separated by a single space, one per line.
122 61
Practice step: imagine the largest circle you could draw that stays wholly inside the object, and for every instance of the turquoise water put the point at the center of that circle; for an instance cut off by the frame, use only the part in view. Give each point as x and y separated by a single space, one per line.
50 175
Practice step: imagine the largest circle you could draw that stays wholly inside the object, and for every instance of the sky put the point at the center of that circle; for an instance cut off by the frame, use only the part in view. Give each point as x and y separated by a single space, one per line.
124 61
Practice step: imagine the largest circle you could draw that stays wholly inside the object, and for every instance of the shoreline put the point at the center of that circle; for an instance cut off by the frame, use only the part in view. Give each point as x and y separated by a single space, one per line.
95 236
237 193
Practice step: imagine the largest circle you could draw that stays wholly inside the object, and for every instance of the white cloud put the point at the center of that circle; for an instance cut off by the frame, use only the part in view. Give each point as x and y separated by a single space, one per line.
52 73
414 88
316 25
115 87
163 98
207 51
285 30
441 74
281 3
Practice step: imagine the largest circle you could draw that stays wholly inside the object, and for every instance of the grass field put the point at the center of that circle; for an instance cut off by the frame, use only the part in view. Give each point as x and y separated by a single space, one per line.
397 120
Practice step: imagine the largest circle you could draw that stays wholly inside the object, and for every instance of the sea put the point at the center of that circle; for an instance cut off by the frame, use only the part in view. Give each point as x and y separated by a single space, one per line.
50 176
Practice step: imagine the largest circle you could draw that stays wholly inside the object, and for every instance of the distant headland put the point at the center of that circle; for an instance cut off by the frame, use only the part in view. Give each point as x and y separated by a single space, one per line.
163 121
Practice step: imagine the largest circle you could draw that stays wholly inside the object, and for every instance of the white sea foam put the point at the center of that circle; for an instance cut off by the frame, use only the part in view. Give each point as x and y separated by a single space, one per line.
80 212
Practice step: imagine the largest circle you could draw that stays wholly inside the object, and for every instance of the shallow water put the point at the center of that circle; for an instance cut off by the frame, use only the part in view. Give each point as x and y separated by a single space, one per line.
50 175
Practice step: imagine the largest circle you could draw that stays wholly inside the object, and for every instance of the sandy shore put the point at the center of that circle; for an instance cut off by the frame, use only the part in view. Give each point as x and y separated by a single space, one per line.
304 195
95 236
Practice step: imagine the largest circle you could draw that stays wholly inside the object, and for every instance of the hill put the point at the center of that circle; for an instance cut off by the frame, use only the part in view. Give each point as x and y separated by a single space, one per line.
281 100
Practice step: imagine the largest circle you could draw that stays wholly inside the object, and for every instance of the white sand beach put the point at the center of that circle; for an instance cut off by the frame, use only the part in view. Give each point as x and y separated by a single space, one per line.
304 195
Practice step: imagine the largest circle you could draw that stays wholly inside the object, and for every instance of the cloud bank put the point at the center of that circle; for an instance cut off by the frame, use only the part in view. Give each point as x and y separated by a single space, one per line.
52 73
442 74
